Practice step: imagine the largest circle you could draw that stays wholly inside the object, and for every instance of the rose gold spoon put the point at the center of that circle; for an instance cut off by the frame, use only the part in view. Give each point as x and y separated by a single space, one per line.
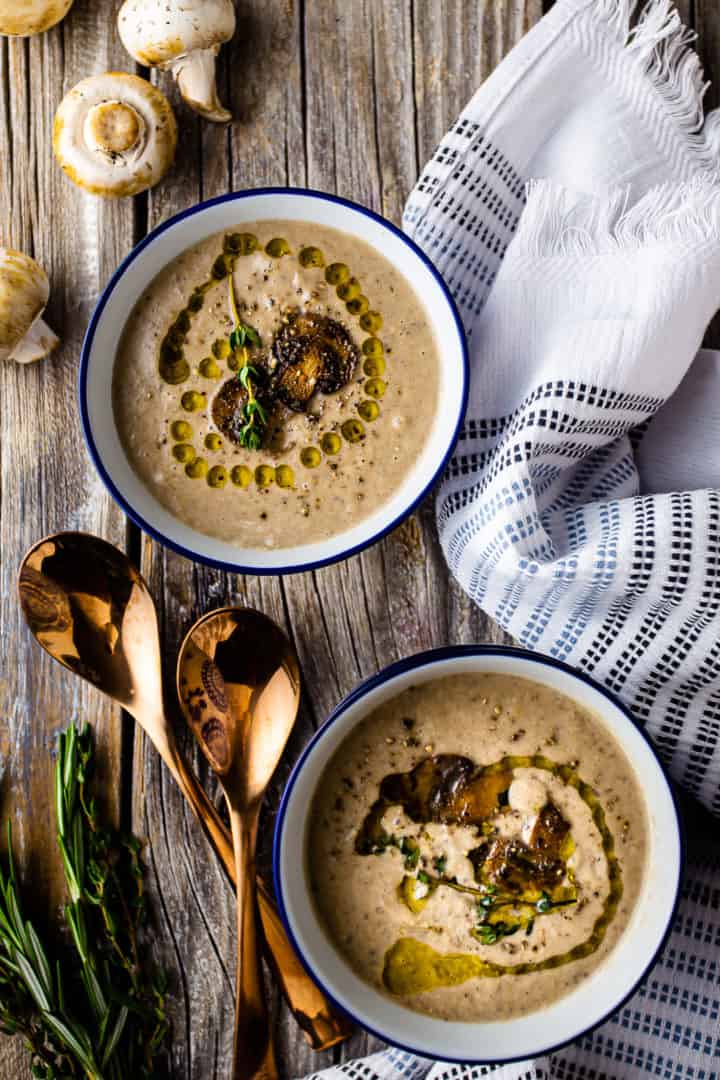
239 687
91 610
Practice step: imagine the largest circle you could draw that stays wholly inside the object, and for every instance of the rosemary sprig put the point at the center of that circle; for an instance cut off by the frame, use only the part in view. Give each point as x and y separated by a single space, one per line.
118 1022
33 993
106 912
254 415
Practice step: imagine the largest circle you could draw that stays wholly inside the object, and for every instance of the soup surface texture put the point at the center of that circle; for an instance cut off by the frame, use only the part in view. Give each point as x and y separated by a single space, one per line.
476 846
276 383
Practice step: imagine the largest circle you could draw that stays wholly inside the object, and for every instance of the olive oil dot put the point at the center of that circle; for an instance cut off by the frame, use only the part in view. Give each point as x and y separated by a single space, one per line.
375 388
264 475
234 361
217 477
209 369
371 321
369 410
221 349
197 469
337 274
349 290
213 441
277 247
221 267
196 302
241 476
169 351
183 452
181 430
174 340
311 256
192 401
182 323
310 457
284 476
175 373
353 431
331 443
358 306
374 365
241 243
373 346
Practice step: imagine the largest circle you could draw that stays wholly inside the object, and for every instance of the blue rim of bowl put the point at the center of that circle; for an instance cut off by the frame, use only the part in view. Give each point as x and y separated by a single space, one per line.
132 513
424 659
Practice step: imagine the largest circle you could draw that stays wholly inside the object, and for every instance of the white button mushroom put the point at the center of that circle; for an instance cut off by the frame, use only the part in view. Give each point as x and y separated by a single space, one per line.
185 37
24 292
115 134
25 17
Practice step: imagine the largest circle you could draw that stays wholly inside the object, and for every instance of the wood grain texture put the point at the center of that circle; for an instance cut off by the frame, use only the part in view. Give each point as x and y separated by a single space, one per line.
47 481
325 94
345 97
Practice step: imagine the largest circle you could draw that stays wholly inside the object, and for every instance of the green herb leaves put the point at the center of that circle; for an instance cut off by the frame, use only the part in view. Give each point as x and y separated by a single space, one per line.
411 850
116 1024
487 900
489 933
254 414
546 903
491 929
255 417
242 334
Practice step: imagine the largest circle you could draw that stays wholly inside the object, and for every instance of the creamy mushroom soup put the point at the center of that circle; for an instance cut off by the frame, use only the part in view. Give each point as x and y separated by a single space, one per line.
274 385
476 846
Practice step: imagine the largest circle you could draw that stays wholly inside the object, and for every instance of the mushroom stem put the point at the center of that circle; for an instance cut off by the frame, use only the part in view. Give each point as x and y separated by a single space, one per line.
37 343
195 74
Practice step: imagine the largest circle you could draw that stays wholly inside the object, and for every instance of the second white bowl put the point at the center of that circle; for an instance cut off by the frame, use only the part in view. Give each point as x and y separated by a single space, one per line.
565 1019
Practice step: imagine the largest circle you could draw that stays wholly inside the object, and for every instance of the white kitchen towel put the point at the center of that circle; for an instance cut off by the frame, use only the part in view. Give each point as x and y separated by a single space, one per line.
559 513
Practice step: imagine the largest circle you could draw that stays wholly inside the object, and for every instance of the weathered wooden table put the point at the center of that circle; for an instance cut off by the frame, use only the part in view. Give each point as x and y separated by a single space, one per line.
344 97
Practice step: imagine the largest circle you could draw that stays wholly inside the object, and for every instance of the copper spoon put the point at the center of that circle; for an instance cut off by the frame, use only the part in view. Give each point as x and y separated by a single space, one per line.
91 610
238 682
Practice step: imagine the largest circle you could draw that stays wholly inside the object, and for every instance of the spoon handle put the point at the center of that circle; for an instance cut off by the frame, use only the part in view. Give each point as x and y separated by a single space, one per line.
320 1024
253 1054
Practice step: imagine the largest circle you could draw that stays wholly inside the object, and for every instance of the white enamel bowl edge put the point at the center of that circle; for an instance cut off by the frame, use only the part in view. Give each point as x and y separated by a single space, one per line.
597 996
135 275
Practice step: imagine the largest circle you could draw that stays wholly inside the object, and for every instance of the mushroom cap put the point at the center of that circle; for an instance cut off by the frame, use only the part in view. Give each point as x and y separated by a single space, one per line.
115 134
156 34
24 292
25 17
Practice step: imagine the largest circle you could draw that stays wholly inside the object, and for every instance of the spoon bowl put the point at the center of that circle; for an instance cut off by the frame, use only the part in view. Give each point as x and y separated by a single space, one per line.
238 683
90 609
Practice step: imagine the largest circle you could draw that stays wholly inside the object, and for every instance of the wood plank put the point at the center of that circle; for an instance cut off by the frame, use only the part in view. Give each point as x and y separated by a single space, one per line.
260 78
397 597
349 620
47 480
410 66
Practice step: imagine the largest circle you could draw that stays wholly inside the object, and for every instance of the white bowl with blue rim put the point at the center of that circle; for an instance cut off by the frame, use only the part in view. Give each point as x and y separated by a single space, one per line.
138 271
597 996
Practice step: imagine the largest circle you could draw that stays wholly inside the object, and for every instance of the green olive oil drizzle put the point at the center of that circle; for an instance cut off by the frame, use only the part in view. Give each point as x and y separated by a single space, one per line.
412 967
174 368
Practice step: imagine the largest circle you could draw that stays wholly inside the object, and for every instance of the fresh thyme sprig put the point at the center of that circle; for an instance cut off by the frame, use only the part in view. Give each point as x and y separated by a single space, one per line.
488 932
118 1023
254 414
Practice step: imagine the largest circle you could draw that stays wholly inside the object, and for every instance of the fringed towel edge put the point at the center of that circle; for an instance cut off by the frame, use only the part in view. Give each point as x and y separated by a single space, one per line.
560 221
661 48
